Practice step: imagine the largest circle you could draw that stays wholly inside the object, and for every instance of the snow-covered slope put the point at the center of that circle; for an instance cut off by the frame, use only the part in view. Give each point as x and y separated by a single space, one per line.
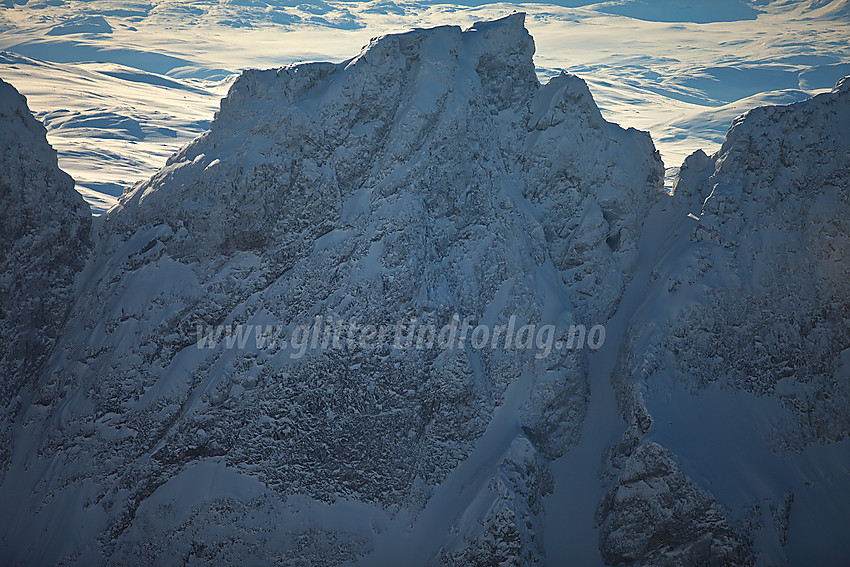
735 377
44 240
428 178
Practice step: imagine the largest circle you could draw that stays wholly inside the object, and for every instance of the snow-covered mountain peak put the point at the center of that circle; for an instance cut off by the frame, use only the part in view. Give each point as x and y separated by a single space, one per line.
248 369
565 97
793 149
44 241
35 191
467 102
429 179
501 50
15 113
743 344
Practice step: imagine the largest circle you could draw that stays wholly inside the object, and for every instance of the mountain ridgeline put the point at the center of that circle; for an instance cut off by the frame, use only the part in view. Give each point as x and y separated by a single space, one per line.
428 181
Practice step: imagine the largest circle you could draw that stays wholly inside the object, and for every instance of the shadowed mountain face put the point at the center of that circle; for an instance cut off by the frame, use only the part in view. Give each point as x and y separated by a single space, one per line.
736 366
428 183
44 240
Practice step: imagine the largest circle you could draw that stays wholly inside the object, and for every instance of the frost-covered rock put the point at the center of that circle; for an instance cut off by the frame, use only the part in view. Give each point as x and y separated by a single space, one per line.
44 240
655 515
778 199
737 365
428 178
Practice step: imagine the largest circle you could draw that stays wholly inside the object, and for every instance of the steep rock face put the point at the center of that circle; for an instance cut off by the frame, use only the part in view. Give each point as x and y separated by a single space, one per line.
44 240
428 178
738 362
777 203
655 515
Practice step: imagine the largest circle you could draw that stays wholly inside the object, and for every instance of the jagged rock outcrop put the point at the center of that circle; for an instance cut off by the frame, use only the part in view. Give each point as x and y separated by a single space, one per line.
777 202
655 515
44 241
737 363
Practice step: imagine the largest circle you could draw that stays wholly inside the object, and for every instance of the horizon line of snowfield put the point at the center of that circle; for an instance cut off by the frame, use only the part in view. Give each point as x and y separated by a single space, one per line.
327 333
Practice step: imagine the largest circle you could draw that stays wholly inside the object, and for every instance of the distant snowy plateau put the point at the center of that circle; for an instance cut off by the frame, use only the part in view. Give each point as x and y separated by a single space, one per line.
430 177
